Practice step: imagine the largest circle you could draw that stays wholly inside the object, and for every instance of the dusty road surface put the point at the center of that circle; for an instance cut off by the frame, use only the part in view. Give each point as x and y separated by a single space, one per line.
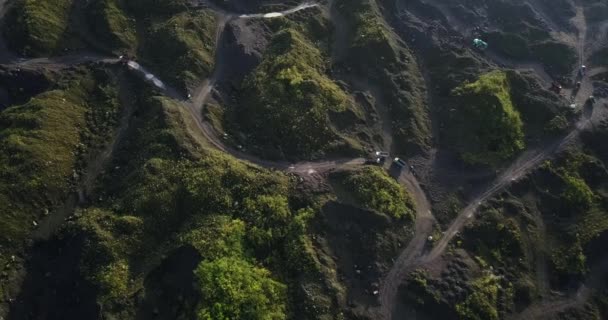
413 254
409 256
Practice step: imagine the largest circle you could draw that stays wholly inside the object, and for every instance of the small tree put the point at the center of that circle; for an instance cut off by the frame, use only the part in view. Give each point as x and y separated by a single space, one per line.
233 288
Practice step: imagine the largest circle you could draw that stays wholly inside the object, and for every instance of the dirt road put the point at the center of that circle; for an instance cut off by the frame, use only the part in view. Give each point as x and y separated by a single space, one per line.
523 165
548 309
408 258
411 256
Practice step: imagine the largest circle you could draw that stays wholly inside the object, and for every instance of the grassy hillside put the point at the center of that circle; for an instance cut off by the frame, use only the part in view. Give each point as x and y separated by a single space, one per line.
37 27
375 53
109 21
43 142
373 189
487 128
175 43
288 99
181 47
168 201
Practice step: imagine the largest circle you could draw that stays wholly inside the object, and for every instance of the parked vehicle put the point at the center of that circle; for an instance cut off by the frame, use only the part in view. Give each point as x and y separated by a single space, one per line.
400 163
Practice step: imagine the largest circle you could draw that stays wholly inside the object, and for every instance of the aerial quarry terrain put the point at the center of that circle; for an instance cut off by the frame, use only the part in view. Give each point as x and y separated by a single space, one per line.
292 159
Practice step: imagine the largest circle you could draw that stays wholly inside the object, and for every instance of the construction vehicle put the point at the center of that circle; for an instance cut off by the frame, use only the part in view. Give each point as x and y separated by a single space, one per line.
377 158
381 154
480 44
556 87
400 163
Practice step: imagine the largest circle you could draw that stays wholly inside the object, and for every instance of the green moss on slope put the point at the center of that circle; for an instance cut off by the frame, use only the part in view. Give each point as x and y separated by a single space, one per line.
486 127
37 27
376 53
375 190
496 239
181 48
111 23
575 196
41 144
481 304
289 98
235 289
169 194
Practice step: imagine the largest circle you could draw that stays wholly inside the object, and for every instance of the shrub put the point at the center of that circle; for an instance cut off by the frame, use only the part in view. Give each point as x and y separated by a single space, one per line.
217 237
114 280
233 288
486 129
568 258
577 194
495 238
375 190
481 303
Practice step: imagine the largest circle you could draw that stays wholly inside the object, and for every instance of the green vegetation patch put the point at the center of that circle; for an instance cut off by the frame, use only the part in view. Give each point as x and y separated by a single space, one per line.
42 144
110 22
235 289
487 129
373 189
181 48
375 53
496 239
169 194
288 99
573 204
38 27
481 304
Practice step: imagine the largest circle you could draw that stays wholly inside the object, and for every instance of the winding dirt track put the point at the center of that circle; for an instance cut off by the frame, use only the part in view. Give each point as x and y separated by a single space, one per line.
424 220
530 159
412 255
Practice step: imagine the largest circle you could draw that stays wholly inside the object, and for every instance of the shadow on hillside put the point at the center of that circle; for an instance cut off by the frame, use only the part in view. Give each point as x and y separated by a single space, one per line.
53 288
170 291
